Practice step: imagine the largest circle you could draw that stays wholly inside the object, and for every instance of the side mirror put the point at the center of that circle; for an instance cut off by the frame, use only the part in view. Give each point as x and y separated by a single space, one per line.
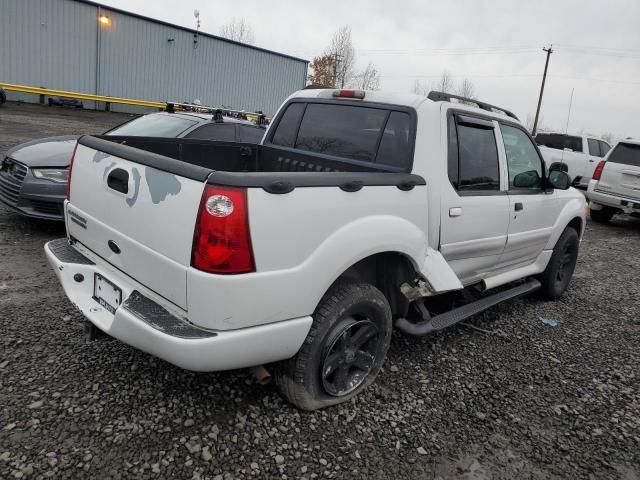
560 180
529 179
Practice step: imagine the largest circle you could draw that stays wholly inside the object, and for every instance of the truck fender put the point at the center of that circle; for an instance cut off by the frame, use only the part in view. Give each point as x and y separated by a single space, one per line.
384 233
574 208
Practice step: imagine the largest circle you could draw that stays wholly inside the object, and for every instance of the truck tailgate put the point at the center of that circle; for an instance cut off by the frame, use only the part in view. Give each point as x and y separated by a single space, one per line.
136 213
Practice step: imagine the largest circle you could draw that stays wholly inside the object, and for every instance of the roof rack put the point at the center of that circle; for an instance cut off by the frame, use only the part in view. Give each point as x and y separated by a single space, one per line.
259 117
447 97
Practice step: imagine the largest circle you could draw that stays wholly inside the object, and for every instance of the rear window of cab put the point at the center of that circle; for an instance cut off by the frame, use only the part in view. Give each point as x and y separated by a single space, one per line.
377 135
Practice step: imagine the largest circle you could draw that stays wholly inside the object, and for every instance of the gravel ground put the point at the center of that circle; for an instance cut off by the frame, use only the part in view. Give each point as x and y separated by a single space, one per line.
518 399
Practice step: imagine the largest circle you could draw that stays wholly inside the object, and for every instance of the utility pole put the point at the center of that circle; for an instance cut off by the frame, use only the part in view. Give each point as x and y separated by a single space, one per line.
544 78
336 59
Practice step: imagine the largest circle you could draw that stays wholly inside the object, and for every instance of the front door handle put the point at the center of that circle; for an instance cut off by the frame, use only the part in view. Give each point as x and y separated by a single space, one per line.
455 211
518 206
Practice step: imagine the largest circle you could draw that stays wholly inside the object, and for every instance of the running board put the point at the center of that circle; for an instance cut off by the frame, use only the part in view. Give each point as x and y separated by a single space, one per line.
432 324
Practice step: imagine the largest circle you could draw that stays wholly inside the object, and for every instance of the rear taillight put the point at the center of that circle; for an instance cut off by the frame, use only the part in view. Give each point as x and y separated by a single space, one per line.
221 241
597 173
70 167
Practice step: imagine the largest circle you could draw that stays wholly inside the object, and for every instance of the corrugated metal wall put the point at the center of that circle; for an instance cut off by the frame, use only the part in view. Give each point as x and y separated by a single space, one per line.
54 44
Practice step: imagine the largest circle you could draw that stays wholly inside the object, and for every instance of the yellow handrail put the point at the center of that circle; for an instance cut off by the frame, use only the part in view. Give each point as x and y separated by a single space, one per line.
81 96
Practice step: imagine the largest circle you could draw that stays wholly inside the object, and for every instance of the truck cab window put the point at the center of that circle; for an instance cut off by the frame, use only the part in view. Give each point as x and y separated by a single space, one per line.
285 134
395 144
477 158
341 130
523 161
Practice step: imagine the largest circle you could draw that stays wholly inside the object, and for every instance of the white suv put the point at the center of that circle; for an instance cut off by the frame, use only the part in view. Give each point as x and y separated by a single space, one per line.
615 187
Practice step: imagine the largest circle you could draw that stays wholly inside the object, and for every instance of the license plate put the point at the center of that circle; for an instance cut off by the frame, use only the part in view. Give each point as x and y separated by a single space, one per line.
106 293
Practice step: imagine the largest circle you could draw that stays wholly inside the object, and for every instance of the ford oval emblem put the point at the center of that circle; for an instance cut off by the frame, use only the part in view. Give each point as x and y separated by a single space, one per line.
114 247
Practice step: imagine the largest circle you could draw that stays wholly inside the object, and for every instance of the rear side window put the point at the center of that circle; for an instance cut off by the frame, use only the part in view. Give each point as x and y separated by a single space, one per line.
250 134
594 147
604 148
287 130
555 140
215 131
343 131
626 154
477 158
395 146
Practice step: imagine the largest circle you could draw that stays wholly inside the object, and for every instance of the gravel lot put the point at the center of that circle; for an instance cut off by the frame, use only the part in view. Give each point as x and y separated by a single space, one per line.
519 399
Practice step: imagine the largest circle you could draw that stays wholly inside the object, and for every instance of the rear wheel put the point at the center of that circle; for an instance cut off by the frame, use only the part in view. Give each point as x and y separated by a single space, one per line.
603 215
556 277
344 350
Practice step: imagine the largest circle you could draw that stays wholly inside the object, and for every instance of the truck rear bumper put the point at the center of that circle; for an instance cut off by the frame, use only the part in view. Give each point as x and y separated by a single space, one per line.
163 330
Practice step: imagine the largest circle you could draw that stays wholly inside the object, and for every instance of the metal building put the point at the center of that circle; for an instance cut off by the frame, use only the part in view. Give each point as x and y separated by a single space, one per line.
83 46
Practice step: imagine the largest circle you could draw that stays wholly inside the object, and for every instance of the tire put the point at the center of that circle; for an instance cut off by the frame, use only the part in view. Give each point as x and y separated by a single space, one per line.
602 216
557 276
329 368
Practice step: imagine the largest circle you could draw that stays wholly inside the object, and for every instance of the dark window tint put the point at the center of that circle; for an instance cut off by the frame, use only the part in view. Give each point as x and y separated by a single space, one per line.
594 147
395 145
627 154
523 161
452 155
288 126
556 140
154 125
215 131
478 159
250 134
604 148
341 130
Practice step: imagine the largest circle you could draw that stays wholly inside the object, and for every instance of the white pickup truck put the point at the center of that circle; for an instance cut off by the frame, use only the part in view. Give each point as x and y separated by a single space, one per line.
360 211
577 155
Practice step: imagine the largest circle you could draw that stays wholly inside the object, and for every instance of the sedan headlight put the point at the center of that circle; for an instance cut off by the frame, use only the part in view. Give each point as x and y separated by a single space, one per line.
58 175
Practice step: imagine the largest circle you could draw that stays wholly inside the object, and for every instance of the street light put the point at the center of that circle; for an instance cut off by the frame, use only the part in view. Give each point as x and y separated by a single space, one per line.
104 20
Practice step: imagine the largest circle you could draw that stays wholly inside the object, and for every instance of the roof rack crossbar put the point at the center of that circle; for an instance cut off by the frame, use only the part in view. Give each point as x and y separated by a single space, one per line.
447 97
178 106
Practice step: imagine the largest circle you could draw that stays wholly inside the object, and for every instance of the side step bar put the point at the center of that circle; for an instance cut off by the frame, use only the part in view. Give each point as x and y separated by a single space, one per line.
432 324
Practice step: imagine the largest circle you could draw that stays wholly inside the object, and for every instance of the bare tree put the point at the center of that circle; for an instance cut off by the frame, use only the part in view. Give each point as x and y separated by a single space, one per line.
239 30
466 89
341 48
420 88
368 79
609 137
445 84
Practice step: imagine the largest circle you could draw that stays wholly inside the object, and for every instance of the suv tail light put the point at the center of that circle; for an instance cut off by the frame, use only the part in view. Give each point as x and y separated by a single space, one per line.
70 168
597 173
222 241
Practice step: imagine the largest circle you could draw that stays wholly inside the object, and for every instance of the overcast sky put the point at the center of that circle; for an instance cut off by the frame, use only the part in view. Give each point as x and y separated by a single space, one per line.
496 44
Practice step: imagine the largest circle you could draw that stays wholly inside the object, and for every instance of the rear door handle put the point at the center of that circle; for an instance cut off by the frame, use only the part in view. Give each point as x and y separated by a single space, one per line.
518 206
118 180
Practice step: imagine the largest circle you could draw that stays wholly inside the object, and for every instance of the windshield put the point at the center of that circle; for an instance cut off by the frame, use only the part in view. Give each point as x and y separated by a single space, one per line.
153 125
